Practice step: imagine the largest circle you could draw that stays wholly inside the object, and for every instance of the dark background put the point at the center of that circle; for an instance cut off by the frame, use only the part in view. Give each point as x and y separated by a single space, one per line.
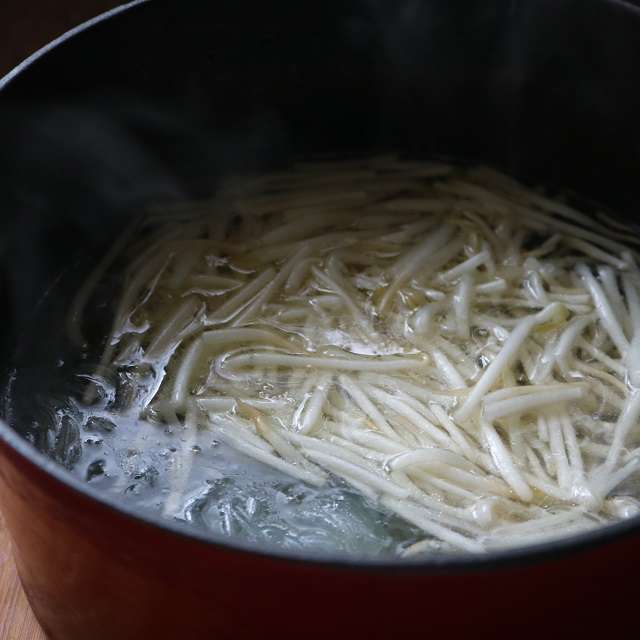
27 26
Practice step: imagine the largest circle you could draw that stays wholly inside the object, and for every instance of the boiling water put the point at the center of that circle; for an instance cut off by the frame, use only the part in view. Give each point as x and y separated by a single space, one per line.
299 364
192 478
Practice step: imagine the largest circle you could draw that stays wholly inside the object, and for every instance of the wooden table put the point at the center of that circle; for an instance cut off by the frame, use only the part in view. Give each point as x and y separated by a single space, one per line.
16 619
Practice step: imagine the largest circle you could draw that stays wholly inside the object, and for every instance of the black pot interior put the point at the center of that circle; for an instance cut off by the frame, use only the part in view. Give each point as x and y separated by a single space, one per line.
164 99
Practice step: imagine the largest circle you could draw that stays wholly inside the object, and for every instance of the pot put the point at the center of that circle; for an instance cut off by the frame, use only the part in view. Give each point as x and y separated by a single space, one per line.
160 99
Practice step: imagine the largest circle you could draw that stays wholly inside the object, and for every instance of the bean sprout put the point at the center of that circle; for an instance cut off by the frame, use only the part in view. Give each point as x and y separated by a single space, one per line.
456 346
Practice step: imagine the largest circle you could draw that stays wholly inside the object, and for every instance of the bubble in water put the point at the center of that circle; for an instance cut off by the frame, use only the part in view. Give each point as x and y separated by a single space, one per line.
148 474
67 447
103 425
95 470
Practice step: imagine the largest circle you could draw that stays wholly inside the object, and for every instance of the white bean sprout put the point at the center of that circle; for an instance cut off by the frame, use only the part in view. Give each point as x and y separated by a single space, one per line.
450 343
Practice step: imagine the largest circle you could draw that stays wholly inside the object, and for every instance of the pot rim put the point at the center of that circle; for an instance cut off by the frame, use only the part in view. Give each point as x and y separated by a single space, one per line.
440 563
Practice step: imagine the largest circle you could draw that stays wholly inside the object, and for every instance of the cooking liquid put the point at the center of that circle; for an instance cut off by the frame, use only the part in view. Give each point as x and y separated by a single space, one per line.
127 431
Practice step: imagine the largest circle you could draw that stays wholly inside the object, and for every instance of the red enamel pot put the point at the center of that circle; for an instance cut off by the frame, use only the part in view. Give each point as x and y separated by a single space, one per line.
160 98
